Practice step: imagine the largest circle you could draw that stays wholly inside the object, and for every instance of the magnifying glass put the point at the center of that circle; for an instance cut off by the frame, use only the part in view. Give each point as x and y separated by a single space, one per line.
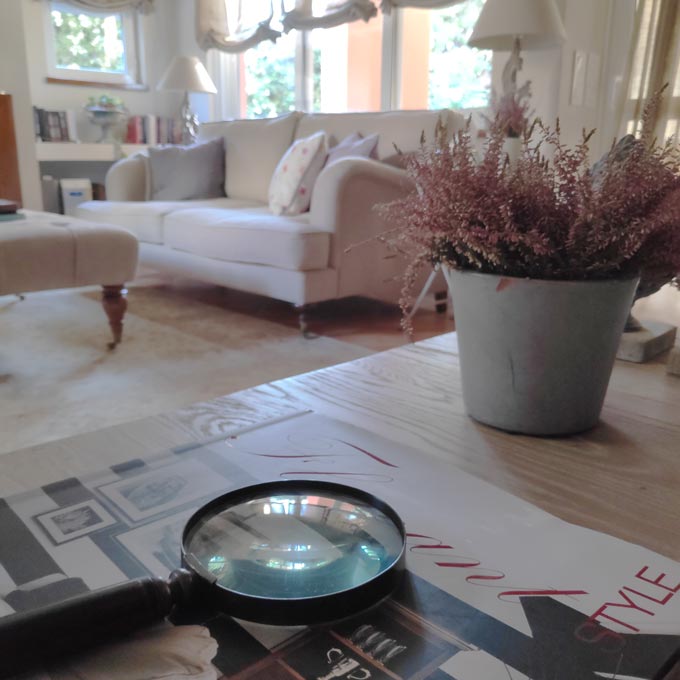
282 553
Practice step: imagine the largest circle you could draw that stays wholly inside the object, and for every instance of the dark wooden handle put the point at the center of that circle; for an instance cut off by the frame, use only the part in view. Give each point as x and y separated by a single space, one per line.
28 638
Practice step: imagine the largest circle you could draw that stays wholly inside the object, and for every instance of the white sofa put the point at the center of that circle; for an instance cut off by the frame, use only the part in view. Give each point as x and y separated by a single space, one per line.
237 242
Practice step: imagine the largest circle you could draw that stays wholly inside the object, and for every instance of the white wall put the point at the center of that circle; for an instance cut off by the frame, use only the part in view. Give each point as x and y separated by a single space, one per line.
201 103
598 37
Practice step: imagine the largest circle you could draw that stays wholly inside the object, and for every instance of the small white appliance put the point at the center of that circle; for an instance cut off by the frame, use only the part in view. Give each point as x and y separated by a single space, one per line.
74 192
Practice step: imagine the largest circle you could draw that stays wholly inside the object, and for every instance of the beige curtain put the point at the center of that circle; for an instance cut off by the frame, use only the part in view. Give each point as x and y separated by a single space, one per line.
654 61
237 25
388 5
233 25
143 6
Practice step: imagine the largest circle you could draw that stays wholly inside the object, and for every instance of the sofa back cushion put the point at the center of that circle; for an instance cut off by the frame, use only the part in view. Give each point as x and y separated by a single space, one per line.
253 149
402 128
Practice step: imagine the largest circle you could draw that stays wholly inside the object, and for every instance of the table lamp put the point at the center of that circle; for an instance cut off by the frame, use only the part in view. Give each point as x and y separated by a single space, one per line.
187 74
513 25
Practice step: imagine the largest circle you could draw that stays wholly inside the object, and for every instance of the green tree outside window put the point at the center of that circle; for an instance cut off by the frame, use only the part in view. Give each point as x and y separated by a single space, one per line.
460 76
89 41
270 78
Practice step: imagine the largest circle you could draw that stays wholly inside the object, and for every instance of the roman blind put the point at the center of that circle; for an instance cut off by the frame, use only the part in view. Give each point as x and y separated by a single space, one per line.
142 6
388 5
310 14
236 25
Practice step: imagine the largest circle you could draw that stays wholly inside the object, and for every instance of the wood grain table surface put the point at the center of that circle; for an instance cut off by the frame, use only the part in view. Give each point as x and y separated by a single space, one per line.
623 477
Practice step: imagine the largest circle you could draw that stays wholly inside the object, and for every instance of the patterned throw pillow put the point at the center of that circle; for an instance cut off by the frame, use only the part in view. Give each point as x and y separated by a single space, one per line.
290 190
354 145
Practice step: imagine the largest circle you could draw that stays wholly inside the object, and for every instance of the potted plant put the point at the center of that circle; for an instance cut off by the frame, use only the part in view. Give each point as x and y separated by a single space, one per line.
512 114
543 257
107 112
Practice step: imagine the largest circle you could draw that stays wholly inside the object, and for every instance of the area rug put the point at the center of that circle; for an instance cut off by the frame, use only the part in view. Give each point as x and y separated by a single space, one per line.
57 378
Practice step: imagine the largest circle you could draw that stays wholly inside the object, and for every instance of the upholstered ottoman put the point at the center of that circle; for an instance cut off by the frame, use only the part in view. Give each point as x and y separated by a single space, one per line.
44 251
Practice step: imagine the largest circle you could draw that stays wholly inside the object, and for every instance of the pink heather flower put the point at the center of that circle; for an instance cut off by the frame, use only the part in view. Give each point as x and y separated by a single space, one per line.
540 218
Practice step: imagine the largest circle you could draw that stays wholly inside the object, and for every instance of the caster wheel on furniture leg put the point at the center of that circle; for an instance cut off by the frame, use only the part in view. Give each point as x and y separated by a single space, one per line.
303 322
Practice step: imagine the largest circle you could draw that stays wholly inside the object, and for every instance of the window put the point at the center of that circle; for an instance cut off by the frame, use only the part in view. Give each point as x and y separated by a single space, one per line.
346 73
341 69
459 76
92 46
268 78
311 71
439 70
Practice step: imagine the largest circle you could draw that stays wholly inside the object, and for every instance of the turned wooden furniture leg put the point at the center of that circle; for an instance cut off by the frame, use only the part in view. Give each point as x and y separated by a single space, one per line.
115 306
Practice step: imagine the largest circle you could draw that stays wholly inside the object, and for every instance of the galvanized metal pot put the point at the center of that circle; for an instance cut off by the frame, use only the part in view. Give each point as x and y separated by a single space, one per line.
536 355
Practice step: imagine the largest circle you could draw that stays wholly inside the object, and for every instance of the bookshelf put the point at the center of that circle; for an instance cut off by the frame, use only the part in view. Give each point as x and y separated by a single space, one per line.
76 151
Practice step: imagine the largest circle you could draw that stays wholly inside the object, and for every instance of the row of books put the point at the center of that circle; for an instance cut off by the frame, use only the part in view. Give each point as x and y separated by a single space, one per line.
55 126
152 130
60 126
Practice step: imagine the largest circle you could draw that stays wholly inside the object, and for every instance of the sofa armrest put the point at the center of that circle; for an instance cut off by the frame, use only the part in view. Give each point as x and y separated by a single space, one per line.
126 179
344 202
346 194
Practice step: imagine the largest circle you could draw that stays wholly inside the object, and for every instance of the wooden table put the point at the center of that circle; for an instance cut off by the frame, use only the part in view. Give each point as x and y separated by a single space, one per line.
622 477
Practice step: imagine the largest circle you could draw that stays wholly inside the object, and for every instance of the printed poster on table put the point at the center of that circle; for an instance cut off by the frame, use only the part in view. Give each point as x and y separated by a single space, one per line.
496 589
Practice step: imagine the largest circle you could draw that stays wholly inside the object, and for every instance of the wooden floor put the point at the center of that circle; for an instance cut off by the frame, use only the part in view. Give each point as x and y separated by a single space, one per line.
367 323
359 321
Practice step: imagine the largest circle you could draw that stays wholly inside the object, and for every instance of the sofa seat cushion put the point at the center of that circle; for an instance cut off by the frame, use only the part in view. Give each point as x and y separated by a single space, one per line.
253 236
145 218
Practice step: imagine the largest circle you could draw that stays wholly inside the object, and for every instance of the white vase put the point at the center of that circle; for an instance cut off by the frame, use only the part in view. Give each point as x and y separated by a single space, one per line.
512 147
536 356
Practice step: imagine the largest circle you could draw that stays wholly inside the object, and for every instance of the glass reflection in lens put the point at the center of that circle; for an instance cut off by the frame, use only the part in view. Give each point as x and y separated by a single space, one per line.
295 545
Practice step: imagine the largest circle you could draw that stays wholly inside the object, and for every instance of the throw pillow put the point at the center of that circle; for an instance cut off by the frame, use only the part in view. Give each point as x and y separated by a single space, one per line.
354 145
178 173
290 189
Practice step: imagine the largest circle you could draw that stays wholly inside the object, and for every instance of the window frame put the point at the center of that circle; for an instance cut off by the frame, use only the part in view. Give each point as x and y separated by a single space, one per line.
392 56
132 77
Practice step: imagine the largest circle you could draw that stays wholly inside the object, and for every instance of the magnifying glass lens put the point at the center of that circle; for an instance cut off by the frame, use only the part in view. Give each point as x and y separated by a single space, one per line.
280 553
293 545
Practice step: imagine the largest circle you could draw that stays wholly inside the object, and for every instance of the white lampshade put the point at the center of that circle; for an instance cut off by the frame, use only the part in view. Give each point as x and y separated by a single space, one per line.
187 74
537 23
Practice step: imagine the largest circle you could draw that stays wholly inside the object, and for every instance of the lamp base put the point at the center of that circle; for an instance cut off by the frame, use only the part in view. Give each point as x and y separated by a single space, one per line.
673 367
511 68
189 121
